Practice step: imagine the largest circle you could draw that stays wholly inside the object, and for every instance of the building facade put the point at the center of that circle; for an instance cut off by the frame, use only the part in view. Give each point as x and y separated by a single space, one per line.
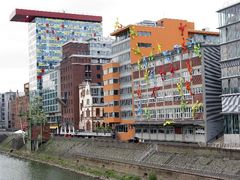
90 106
131 44
230 65
79 66
176 95
48 31
6 121
19 109
51 94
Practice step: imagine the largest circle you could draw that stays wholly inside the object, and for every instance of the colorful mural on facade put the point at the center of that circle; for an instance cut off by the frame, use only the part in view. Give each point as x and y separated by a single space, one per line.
51 34
146 67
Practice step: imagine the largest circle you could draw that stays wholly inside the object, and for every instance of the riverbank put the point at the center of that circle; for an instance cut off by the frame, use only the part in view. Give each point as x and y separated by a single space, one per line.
63 163
109 159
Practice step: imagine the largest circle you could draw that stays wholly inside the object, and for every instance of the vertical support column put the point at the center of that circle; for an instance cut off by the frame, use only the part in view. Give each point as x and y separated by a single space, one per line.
73 130
65 130
69 129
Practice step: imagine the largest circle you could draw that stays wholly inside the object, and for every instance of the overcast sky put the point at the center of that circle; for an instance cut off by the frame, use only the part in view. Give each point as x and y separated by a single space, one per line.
14 36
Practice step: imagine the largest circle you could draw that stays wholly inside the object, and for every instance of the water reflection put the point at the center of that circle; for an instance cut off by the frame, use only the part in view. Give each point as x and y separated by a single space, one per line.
18 169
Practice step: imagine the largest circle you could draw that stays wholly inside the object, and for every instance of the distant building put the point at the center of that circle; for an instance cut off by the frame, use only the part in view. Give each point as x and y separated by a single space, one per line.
48 31
90 106
6 121
51 94
81 63
229 26
131 43
19 109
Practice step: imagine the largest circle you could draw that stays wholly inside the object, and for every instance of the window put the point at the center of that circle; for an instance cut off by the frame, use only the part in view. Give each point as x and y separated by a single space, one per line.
144 33
169 130
115 69
115 80
121 128
153 131
231 124
98 76
116 114
138 130
98 67
87 67
144 45
188 130
116 103
115 92
88 113
97 112
87 75
88 101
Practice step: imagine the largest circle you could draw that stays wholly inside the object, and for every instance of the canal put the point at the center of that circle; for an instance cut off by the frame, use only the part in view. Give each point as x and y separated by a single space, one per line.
18 169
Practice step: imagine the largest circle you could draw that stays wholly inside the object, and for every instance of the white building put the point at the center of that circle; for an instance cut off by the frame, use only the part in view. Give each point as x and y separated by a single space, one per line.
90 106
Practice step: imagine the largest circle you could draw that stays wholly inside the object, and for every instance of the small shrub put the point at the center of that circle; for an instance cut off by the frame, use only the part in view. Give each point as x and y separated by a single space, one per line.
152 176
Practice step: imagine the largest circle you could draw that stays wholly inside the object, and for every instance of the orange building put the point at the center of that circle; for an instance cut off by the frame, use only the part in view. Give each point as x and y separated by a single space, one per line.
131 44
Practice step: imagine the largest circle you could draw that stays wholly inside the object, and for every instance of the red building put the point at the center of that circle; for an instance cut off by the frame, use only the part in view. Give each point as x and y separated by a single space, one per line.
19 108
77 66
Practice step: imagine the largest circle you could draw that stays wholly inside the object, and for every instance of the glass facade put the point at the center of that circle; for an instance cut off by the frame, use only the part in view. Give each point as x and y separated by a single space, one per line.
51 91
121 53
232 124
229 22
229 15
46 37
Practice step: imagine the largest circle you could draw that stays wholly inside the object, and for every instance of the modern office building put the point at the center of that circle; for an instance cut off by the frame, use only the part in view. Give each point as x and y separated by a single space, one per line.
131 44
48 31
78 66
6 121
90 106
229 26
51 92
177 95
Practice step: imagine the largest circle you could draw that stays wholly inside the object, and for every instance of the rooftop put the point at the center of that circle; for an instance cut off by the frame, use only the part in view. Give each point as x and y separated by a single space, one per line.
24 15
229 5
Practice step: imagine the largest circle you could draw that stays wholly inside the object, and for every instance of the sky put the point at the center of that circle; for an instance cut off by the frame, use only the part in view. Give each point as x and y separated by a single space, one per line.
14 36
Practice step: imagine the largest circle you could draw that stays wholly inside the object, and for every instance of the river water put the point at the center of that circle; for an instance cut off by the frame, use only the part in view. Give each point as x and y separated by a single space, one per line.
18 169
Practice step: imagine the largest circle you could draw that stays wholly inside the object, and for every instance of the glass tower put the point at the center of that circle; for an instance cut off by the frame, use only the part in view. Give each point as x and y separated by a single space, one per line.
46 37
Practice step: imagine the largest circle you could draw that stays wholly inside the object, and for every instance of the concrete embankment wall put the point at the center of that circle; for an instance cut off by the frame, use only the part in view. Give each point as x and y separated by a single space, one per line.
166 161
200 151
3 137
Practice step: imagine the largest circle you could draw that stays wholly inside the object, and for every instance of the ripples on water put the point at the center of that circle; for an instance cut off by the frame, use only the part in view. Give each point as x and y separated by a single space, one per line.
18 169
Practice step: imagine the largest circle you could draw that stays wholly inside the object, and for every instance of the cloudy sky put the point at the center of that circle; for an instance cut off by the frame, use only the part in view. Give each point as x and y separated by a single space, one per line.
14 36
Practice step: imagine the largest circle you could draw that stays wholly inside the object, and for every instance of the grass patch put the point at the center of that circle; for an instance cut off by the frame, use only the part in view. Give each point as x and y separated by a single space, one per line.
152 176
130 177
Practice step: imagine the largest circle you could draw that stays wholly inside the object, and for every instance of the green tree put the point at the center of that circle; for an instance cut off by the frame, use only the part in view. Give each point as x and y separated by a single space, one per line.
36 116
